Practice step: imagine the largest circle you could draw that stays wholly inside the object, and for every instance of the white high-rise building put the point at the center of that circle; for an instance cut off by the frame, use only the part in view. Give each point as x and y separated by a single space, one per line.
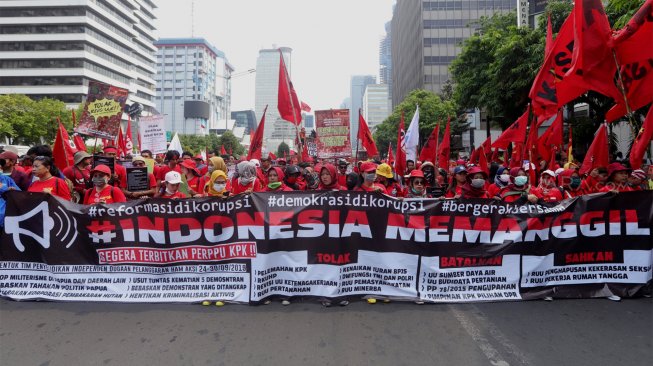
357 89
193 85
52 48
376 106
277 130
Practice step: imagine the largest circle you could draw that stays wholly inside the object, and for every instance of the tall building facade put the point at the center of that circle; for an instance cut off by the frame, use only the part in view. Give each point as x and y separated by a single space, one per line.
51 49
385 59
356 92
376 106
276 130
193 85
246 119
427 37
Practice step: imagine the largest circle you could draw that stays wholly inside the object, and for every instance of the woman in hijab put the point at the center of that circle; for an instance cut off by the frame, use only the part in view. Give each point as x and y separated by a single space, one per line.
275 181
217 184
518 188
475 185
246 182
329 179
570 183
214 163
547 190
501 181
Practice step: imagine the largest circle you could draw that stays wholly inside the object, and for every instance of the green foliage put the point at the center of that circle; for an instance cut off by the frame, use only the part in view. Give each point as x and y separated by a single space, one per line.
197 143
28 122
431 111
283 150
620 11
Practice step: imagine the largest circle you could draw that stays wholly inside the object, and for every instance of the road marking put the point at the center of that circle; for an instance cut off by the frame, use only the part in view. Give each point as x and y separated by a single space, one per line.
483 343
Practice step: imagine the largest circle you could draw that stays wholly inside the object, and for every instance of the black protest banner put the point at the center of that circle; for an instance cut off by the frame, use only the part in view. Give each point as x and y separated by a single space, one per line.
327 245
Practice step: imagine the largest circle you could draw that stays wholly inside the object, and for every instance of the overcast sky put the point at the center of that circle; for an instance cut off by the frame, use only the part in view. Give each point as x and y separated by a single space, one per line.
331 40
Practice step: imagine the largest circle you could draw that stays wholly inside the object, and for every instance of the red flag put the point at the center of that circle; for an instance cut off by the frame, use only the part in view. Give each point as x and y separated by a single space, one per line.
62 149
365 136
482 161
531 143
120 144
287 103
429 151
129 145
515 133
597 154
506 158
642 141
592 65
305 156
515 159
487 145
79 143
222 150
231 151
272 156
635 55
548 46
400 158
305 107
257 141
444 149
473 159
551 137
390 159
495 156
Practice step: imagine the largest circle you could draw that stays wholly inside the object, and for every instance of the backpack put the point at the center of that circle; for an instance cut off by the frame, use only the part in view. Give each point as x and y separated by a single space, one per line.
88 193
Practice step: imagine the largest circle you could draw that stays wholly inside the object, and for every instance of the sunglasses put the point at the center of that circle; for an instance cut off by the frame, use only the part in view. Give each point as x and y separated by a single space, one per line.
418 182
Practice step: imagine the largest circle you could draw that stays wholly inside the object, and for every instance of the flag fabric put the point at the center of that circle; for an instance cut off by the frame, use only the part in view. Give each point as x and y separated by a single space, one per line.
473 159
551 137
487 145
287 102
129 145
429 149
272 156
400 156
548 45
642 141
175 144
597 154
592 65
222 150
305 156
305 107
444 148
231 151
255 149
411 139
365 136
79 142
391 158
482 161
495 156
515 158
120 143
634 53
530 152
62 149
515 133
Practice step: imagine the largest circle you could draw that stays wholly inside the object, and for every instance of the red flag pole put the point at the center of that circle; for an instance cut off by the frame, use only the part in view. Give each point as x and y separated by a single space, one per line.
357 144
292 105
437 141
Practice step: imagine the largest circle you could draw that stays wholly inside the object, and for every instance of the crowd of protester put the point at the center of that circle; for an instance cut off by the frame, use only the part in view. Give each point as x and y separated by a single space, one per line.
180 176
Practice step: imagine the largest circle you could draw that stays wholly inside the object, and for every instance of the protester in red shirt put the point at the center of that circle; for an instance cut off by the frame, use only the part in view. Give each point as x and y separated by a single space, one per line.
79 174
329 178
501 180
102 191
171 181
275 181
294 178
368 172
119 171
457 183
170 164
547 190
246 182
214 163
637 180
595 180
342 172
416 185
385 177
474 187
139 162
47 179
570 182
617 179
217 186
199 163
518 188
10 168
192 174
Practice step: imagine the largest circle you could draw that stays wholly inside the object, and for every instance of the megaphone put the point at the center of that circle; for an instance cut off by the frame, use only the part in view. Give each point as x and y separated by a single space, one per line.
12 226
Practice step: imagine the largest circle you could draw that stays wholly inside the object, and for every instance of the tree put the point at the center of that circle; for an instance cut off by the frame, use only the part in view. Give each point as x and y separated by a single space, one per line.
431 111
230 142
28 122
283 150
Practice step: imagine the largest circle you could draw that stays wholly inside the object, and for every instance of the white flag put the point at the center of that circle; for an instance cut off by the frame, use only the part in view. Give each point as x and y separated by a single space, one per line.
412 137
175 144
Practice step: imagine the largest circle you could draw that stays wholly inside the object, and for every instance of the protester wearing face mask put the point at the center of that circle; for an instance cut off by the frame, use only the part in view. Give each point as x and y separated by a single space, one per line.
501 180
311 177
617 179
329 178
518 188
214 163
416 185
293 178
275 181
429 173
547 190
570 182
217 185
385 177
102 191
475 185
455 189
368 173
171 183
247 181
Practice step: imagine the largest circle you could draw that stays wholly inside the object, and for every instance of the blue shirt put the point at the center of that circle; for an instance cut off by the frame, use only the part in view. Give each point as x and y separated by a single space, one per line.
5 184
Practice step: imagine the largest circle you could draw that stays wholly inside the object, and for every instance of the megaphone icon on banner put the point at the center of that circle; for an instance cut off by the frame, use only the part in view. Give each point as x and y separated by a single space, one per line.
12 226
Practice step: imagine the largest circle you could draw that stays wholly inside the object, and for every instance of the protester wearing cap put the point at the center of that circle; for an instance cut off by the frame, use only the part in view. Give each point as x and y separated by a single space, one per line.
617 179
294 178
102 191
47 179
79 174
119 171
548 190
637 180
570 182
342 172
416 185
385 177
199 163
10 169
368 173
171 183
459 179
192 174
475 184
518 189
139 162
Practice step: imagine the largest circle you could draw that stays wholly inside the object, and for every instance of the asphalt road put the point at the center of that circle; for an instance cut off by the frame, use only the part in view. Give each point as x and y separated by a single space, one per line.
563 332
